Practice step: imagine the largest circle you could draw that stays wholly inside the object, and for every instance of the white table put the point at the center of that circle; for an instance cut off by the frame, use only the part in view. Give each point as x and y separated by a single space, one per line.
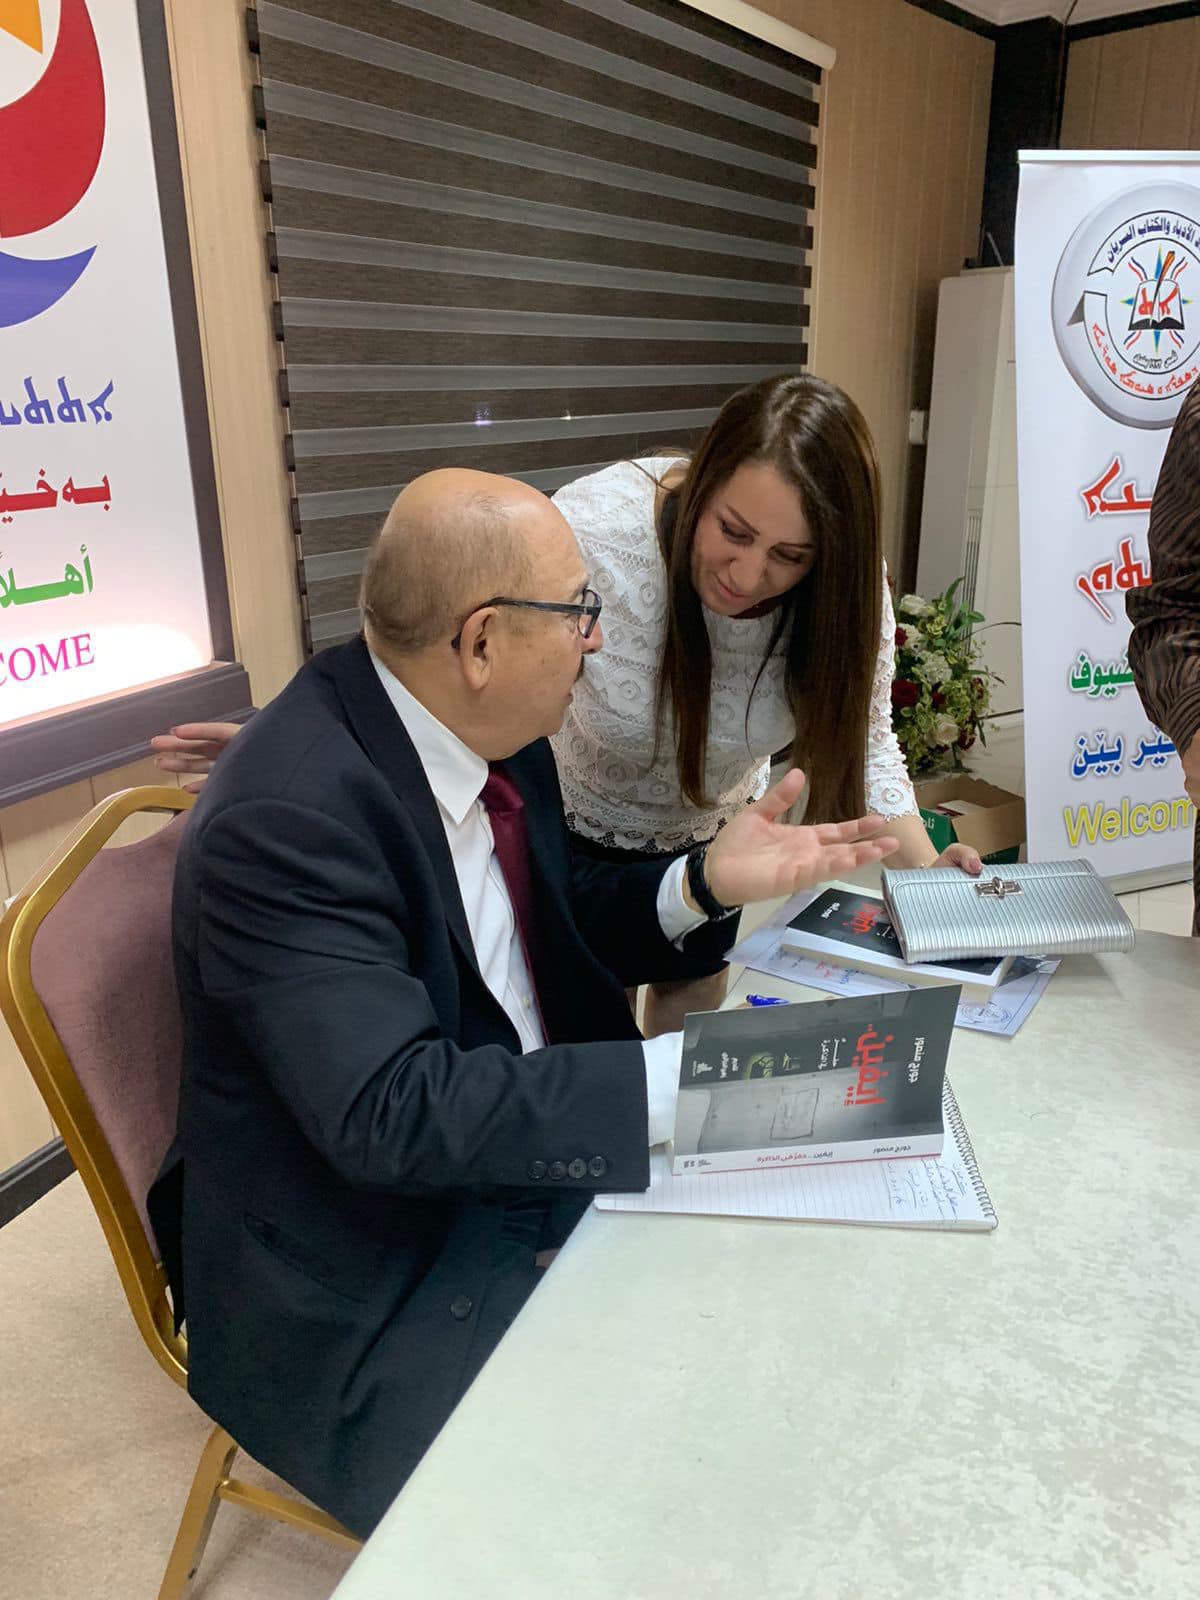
729 1408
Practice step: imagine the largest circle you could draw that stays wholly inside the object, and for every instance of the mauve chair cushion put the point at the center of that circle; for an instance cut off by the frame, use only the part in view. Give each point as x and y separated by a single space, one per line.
102 967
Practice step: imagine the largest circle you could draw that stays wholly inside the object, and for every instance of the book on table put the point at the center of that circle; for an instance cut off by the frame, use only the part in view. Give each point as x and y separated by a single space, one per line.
826 1081
942 1191
853 929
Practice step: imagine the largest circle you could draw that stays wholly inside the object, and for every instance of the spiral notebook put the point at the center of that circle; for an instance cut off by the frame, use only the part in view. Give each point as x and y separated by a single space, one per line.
942 1191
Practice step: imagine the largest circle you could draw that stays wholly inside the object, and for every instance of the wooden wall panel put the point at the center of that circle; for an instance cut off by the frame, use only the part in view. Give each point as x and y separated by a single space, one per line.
220 149
1079 97
1134 90
1170 115
900 186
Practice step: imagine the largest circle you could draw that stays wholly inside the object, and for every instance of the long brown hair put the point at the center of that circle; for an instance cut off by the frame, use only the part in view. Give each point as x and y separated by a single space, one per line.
815 437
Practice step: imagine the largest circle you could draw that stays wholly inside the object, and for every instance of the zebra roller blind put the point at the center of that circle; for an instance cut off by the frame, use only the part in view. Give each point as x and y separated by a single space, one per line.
532 238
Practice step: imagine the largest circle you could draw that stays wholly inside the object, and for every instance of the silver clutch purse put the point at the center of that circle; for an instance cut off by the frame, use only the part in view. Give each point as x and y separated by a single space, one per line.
1037 908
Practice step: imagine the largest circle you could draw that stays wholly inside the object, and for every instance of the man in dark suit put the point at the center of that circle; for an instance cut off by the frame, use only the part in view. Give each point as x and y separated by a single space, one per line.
392 1097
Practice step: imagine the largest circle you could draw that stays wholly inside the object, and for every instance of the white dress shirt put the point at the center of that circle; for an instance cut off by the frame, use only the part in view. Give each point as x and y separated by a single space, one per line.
457 776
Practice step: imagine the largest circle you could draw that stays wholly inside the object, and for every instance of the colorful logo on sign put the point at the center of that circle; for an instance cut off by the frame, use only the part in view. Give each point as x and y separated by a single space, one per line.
1124 303
51 138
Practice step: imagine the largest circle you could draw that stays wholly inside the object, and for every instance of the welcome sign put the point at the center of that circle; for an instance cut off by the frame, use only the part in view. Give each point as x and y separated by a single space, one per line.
1108 343
102 585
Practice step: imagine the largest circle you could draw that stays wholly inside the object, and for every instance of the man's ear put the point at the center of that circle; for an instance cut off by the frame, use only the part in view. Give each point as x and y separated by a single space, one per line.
477 647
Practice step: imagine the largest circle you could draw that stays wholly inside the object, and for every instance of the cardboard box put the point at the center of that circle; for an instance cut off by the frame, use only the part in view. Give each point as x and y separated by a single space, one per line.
992 821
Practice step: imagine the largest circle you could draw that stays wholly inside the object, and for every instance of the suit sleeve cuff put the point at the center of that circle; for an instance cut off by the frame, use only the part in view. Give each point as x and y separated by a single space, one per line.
662 1056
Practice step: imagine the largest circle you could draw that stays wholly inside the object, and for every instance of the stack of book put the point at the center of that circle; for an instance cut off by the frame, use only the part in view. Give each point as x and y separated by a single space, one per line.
852 929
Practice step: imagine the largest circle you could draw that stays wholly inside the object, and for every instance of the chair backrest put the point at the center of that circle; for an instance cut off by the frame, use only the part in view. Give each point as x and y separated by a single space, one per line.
87 985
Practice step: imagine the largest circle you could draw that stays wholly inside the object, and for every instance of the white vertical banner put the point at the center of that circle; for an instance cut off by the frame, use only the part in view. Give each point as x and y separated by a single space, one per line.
1107 343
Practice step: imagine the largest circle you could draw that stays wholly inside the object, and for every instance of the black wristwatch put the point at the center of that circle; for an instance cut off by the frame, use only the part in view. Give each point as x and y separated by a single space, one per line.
698 884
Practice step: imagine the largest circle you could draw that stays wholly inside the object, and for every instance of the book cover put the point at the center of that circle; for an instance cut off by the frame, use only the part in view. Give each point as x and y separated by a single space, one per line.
828 1080
844 925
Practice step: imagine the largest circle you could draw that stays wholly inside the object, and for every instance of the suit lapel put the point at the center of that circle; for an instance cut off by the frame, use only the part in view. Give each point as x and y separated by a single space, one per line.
381 733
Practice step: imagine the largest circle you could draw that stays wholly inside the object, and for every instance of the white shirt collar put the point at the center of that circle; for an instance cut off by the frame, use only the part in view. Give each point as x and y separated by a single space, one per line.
456 774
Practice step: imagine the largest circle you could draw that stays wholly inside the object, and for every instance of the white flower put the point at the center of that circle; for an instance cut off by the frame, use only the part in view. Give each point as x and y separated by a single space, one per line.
945 730
935 669
914 606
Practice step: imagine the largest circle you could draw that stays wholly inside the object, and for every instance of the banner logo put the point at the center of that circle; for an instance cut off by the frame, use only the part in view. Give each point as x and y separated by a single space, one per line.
51 138
1125 305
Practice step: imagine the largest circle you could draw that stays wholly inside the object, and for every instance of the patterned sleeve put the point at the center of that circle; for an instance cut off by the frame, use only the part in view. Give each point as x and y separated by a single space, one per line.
888 785
1164 648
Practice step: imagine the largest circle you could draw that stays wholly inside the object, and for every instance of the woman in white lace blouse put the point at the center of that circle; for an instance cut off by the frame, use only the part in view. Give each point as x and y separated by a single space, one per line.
745 613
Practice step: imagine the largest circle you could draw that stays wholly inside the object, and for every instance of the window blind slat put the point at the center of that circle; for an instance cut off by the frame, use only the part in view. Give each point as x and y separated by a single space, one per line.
453 170
661 36
527 41
381 314
310 343
405 68
514 460
382 205
721 187
491 381
451 301
403 255
482 406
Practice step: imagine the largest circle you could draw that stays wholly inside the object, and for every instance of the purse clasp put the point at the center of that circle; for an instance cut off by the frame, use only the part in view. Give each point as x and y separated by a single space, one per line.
997 888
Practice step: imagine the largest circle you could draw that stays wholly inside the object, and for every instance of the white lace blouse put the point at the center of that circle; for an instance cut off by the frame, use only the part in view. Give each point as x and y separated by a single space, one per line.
615 790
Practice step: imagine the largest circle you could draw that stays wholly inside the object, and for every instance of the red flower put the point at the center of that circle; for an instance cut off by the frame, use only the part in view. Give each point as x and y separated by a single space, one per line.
938 698
905 692
966 739
901 638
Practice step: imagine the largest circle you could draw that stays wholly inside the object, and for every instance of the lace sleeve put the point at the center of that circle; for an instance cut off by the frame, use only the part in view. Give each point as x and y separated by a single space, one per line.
888 785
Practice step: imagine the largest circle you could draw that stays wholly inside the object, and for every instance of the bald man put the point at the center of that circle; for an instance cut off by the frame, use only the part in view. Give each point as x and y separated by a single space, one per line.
393 976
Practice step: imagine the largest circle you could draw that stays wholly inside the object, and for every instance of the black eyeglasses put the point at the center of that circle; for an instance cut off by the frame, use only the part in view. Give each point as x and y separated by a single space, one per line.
586 611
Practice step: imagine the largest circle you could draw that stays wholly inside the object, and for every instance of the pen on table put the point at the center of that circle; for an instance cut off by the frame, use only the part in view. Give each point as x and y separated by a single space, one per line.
764 1000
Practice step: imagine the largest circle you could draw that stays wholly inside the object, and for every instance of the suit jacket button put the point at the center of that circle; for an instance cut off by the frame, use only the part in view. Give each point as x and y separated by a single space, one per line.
460 1307
537 1169
577 1168
597 1166
558 1169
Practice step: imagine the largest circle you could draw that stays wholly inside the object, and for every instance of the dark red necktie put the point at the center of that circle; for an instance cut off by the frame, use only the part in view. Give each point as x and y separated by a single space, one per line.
506 812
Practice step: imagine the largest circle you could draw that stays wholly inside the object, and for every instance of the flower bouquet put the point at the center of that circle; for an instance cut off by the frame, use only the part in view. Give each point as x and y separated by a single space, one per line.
941 690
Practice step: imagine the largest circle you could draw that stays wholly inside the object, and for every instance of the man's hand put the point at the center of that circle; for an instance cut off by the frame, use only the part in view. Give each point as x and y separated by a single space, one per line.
758 857
192 747
1191 769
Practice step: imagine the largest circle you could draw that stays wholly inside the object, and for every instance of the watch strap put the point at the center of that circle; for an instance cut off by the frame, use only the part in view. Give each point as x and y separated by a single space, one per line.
698 884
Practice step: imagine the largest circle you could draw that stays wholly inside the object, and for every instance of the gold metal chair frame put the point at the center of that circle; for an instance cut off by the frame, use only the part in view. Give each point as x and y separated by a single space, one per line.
142 1277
